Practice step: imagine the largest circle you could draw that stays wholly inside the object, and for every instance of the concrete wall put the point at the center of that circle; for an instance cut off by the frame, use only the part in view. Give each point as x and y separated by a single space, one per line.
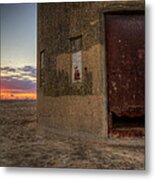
74 106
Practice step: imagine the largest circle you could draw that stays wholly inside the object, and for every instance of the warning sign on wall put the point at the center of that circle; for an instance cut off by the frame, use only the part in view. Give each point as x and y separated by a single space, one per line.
77 67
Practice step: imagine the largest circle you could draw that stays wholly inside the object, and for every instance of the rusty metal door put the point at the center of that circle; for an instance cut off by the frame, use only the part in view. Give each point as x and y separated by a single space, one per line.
125 63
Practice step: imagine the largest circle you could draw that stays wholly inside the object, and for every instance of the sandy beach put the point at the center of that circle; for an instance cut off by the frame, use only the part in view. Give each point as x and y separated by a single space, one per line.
24 143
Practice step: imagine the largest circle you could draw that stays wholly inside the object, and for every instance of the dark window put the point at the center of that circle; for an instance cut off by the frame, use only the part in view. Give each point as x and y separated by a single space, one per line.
76 44
42 65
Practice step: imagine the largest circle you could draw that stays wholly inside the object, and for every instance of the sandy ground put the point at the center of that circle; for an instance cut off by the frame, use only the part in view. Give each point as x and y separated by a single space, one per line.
23 143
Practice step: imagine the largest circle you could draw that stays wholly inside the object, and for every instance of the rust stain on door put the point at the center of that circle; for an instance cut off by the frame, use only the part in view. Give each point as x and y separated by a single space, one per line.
125 63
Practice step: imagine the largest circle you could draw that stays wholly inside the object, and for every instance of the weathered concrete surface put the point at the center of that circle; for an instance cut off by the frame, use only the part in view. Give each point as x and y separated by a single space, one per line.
58 23
24 143
74 113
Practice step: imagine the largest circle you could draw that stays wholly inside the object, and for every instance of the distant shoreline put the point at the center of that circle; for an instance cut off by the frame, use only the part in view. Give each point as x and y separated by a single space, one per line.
13 100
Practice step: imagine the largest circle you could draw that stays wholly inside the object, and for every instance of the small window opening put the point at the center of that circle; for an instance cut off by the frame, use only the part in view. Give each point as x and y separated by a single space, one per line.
42 66
76 49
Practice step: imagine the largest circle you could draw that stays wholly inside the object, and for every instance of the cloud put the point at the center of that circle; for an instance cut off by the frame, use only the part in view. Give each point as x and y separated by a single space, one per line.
16 84
8 69
21 79
33 75
28 70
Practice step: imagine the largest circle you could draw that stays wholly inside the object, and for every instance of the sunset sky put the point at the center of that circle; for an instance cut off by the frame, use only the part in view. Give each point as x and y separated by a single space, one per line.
18 51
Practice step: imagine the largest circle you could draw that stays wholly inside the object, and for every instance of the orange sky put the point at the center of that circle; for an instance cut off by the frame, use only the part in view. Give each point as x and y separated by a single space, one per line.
18 82
5 94
8 96
18 51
